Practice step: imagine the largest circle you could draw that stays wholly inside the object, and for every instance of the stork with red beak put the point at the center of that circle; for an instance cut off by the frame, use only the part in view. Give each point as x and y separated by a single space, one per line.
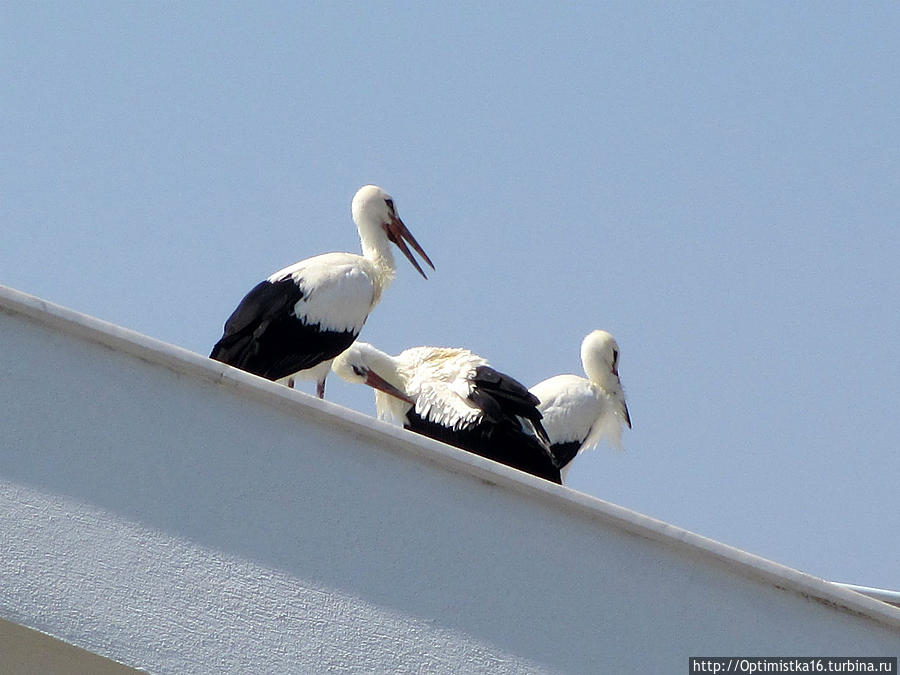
294 323
579 413
454 396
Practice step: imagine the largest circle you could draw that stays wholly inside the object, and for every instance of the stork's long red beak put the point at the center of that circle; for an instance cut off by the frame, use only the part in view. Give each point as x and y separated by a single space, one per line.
399 235
375 380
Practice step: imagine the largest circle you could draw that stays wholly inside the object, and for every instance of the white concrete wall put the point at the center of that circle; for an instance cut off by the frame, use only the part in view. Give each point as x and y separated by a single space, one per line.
181 517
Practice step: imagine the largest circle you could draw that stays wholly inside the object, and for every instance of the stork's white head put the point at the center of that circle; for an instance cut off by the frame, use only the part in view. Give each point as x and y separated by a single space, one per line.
377 221
600 358
361 363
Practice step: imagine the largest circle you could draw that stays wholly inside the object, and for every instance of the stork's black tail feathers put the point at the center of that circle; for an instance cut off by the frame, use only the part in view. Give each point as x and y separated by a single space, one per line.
503 397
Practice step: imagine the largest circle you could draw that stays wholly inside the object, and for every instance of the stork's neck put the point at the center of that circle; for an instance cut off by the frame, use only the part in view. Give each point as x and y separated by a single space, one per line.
599 373
377 249
387 406
387 367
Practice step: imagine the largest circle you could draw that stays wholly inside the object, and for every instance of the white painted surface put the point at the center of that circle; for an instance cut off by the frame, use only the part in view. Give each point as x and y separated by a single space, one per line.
178 516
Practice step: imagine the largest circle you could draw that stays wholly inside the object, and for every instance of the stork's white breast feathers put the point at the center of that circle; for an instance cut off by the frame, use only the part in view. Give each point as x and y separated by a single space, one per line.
570 405
339 290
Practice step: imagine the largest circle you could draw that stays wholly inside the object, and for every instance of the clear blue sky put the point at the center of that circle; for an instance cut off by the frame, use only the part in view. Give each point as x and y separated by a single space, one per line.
717 184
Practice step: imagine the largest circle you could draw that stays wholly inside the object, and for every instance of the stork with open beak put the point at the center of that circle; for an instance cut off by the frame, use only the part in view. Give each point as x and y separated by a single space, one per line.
579 412
454 396
294 323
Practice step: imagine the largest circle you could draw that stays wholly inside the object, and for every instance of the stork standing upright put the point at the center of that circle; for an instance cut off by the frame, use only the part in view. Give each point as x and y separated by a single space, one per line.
454 396
295 322
579 412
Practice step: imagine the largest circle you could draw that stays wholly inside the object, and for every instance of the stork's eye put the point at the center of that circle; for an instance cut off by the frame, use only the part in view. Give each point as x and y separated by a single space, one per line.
390 203
615 357
357 370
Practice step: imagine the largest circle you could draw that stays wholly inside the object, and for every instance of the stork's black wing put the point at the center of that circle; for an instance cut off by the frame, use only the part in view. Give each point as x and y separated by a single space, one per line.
565 452
264 336
503 397
498 434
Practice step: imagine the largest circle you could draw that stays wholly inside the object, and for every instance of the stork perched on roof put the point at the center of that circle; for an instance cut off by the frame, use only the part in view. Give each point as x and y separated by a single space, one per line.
295 322
578 413
454 396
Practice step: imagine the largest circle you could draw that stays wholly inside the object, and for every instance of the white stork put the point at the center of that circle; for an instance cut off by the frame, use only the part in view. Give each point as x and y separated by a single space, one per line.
296 321
454 396
578 413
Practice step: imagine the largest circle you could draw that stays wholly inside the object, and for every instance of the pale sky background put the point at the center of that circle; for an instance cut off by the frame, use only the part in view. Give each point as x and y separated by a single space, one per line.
717 184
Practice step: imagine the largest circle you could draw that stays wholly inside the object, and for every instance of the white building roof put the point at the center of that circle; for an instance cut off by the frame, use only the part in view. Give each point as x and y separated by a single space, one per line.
177 515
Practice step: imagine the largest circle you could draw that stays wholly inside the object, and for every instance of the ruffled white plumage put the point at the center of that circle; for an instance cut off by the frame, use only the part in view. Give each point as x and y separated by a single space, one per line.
454 396
438 380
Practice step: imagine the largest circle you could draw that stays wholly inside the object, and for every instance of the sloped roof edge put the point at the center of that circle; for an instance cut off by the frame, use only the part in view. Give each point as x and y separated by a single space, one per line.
191 364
